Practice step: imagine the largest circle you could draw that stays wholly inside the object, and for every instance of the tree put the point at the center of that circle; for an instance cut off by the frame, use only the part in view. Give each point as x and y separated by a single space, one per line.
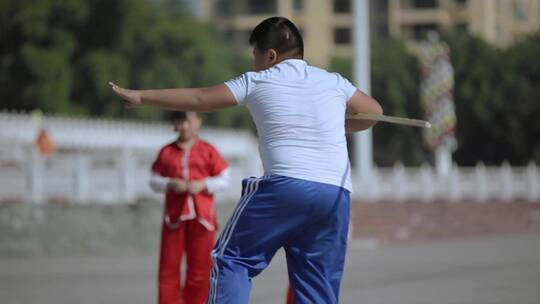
496 100
520 102
496 95
476 68
59 55
35 49
146 45
395 85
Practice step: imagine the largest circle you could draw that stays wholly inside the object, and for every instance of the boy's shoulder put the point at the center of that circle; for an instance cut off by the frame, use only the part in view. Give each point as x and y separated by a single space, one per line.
287 68
205 146
169 146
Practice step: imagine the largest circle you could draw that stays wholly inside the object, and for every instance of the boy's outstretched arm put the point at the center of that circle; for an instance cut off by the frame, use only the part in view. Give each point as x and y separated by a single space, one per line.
361 103
192 99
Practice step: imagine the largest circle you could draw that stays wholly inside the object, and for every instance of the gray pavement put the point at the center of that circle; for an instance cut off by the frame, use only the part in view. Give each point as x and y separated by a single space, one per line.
497 270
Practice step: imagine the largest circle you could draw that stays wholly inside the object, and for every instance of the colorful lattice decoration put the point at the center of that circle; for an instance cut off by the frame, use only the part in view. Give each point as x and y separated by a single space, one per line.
436 92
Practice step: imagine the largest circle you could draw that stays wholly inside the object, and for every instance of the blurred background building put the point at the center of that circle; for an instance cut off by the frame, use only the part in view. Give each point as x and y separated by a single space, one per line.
57 56
80 224
327 24
501 22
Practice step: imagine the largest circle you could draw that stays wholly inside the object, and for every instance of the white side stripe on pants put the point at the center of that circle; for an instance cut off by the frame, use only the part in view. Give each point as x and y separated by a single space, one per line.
251 187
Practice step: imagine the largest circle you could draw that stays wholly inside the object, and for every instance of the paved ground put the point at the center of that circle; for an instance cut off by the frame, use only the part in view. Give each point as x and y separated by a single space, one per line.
497 270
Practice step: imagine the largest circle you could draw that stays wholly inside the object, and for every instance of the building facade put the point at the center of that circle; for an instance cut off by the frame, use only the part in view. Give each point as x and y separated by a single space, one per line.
500 22
327 24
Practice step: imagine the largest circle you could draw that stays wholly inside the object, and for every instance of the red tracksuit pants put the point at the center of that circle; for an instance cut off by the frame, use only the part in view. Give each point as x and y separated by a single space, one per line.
289 299
196 242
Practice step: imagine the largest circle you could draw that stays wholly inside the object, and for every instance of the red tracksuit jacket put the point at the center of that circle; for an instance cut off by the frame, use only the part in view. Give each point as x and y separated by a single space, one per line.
199 162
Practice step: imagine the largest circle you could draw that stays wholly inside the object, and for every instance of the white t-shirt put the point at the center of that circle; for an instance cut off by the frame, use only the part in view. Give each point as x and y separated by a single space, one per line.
299 112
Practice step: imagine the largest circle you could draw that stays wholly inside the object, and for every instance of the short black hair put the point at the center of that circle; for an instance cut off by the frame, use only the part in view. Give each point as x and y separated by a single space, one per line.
181 115
277 33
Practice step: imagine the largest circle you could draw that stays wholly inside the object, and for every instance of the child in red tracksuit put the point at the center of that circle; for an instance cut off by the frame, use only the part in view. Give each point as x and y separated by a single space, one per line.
189 171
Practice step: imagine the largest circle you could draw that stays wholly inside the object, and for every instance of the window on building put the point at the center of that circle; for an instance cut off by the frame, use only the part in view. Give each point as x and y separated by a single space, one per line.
342 35
499 6
261 7
520 10
243 37
379 18
342 6
461 27
420 31
381 29
228 36
424 3
461 2
239 38
223 7
298 5
499 32
379 6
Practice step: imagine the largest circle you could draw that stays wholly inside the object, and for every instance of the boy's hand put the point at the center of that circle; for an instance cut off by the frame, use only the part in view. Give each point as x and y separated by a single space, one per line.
178 185
132 97
196 186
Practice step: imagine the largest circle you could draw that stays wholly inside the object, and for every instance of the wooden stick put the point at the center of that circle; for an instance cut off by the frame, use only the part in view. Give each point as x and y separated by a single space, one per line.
391 119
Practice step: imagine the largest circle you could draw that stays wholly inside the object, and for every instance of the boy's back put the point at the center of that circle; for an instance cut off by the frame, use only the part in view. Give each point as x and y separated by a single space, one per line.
299 111
303 202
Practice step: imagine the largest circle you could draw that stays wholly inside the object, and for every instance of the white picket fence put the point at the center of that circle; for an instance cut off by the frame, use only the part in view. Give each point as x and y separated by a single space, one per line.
116 177
122 177
101 160
479 183
105 161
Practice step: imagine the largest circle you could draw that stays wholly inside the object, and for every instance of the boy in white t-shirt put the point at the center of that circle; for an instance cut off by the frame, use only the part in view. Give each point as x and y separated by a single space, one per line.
302 203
